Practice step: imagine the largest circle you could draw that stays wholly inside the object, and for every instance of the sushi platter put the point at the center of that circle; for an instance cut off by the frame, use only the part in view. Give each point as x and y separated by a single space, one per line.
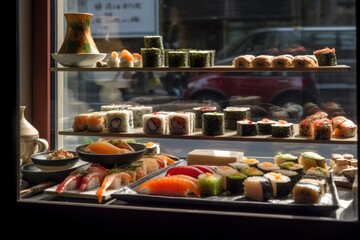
237 202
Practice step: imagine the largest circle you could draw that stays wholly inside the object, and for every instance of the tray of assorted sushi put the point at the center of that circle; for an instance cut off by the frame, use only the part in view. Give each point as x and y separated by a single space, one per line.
288 185
97 181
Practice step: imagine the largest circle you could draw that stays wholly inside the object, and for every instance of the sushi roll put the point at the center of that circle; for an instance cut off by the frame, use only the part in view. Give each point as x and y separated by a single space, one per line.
294 176
282 129
180 123
151 57
343 127
318 172
281 184
213 124
153 42
252 162
304 61
243 61
79 123
305 193
266 167
321 182
199 111
251 171
311 159
96 122
152 148
234 114
178 59
293 166
120 121
138 113
305 128
257 188
326 56
235 182
285 157
262 61
156 123
199 58
238 165
322 129
247 128
282 61
110 107
210 184
224 171
264 126
113 61
126 59
166 56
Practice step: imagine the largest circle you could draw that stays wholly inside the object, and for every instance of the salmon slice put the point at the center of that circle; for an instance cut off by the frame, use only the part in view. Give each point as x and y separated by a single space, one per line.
127 55
113 181
169 186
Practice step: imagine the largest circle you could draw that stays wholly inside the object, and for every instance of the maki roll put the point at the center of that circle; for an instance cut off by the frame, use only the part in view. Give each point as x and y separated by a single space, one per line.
243 61
213 124
264 126
180 123
257 188
326 57
247 128
305 128
151 57
153 42
262 61
235 182
267 167
282 61
234 114
294 176
306 193
281 184
155 123
322 129
199 58
293 166
282 129
177 59
199 111
285 157
320 182
224 171
318 172
238 165
79 123
312 159
96 122
252 162
210 184
251 171
304 61
138 113
120 121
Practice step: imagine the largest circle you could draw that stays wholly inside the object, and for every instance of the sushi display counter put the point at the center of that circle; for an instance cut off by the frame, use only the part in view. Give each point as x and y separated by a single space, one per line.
228 136
222 68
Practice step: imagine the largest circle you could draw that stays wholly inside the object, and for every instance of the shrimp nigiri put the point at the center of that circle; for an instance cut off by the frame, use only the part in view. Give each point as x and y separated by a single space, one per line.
170 186
114 180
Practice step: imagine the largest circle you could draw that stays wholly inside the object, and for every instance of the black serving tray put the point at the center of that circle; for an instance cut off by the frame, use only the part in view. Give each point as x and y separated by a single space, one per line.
329 203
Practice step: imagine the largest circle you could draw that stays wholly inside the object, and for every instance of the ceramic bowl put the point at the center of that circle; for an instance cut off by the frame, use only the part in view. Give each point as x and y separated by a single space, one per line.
110 160
35 175
40 161
78 59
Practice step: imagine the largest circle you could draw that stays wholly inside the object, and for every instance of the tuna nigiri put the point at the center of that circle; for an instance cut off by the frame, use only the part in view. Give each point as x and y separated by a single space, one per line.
169 186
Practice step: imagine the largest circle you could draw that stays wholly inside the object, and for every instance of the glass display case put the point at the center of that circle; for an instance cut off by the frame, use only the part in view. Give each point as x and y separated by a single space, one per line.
290 94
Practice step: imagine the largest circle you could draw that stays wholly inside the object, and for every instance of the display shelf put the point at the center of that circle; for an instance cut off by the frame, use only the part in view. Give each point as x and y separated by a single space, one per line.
220 68
228 136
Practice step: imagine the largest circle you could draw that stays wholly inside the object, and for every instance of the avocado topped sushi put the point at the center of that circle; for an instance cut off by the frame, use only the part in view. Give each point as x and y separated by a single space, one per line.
285 157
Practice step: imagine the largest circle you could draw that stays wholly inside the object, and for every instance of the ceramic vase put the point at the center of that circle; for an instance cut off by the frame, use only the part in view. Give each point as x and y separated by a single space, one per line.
30 142
78 38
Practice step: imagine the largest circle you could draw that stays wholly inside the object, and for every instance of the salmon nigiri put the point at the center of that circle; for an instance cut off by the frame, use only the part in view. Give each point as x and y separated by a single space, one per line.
169 186
126 59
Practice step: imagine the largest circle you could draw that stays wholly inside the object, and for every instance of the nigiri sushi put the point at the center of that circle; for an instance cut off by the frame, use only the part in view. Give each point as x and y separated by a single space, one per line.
169 186
126 59
114 180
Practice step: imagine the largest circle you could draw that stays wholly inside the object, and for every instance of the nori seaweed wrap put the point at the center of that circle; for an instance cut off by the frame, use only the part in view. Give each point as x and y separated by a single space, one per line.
326 57
178 59
199 58
153 42
210 184
213 124
151 57
234 182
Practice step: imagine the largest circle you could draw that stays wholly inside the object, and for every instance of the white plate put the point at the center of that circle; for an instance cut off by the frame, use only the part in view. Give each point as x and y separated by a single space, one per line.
78 59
